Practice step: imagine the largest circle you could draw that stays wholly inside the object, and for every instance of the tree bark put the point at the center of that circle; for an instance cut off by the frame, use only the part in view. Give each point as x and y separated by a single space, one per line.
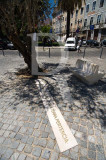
68 24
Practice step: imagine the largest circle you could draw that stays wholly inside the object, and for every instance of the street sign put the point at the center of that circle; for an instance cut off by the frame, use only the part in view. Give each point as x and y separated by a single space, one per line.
91 27
50 30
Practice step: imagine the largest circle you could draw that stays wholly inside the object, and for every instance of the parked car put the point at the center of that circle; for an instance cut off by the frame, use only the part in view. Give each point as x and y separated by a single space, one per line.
10 45
84 42
103 43
3 44
92 43
70 44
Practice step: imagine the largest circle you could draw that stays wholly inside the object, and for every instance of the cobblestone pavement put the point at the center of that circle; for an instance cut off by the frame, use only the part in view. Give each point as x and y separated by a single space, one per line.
25 132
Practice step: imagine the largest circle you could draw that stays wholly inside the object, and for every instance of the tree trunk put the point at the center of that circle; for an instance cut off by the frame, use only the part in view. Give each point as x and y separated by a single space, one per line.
68 24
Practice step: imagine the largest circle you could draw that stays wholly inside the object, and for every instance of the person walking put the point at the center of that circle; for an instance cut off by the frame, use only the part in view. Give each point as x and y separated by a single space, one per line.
79 45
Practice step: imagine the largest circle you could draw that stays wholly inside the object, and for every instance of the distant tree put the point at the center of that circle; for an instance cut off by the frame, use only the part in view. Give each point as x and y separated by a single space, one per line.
45 29
19 18
68 6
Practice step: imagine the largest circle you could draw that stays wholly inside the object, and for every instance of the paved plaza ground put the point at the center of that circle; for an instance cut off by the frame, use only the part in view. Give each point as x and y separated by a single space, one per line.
25 131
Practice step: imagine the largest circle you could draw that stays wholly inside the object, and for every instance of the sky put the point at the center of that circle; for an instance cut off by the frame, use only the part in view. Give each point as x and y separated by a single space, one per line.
52 4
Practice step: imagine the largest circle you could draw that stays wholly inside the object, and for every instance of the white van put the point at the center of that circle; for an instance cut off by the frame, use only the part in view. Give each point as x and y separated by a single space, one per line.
70 44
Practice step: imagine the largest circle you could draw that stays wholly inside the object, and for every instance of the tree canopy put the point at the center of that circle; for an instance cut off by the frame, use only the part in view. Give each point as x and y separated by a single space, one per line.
20 17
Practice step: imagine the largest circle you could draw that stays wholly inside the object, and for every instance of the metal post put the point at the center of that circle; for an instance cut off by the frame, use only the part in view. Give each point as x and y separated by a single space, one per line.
19 54
3 52
84 52
101 52
49 52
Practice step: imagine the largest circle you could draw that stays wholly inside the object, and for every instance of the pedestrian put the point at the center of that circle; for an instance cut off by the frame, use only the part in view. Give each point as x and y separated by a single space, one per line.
79 45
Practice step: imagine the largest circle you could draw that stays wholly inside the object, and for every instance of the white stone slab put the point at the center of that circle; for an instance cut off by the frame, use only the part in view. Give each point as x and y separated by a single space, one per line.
62 132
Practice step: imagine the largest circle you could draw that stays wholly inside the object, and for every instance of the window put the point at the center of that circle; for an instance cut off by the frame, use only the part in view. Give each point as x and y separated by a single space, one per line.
101 3
87 8
76 13
94 5
82 9
66 19
85 23
75 21
98 19
71 24
91 21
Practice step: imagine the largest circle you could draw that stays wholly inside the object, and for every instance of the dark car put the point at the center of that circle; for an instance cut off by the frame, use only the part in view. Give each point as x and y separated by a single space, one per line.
92 43
103 43
3 44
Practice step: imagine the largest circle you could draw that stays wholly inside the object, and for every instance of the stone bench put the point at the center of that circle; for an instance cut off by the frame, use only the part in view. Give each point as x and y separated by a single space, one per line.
87 71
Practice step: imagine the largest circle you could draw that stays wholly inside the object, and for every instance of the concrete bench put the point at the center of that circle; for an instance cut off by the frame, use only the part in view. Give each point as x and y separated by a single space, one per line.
87 71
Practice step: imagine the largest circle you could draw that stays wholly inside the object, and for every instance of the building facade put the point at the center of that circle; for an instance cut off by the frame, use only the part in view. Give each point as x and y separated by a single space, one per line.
88 22
95 19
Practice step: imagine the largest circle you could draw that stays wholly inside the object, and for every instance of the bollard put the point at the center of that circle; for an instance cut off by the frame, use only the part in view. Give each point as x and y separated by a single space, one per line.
101 52
19 54
3 52
49 52
84 52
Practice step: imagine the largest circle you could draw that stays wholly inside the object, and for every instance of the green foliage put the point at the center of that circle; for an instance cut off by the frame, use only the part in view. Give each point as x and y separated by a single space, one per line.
45 29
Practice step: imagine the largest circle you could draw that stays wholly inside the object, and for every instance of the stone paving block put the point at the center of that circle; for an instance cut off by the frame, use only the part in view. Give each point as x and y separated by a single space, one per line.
36 140
30 158
28 149
5 126
29 131
54 156
84 122
48 129
66 153
75 149
52 136
50 144
21 147
84 151
37 125
100 148
36 133
22 157
63 158
8 153
89 125
83 129
1 124
78 134
101 156
56 148
30 140
91 139
44 135
7 142
25 118
42 142
2 149
91 146
83 143
90 132
15 156
16 129
2 132
6 134
91 154
45 121
42 127
2 140
14 145
24 139
23 130
83 158
18 136
46 154
31 125
37 151
26 124
12 134
84 136
75 126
